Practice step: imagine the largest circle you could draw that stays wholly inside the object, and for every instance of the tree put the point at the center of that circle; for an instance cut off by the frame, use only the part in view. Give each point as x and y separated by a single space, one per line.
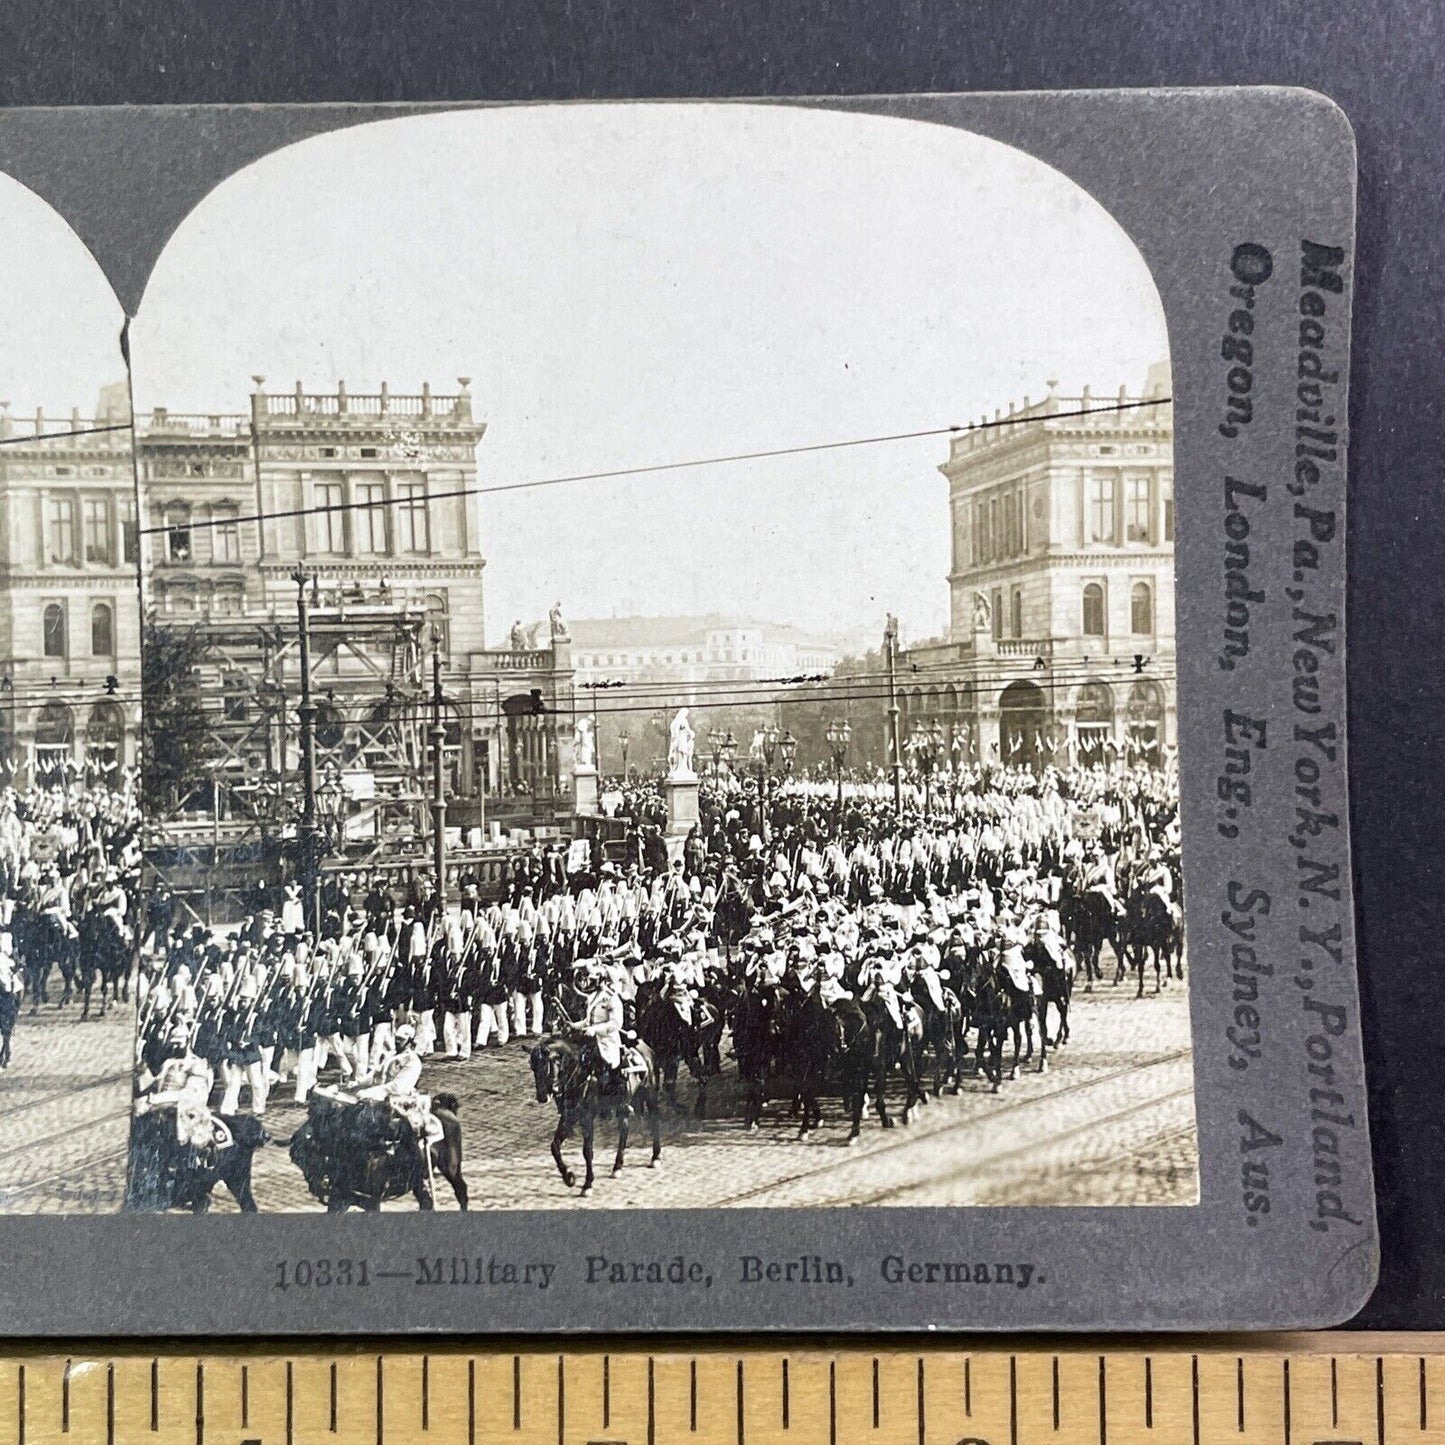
174 728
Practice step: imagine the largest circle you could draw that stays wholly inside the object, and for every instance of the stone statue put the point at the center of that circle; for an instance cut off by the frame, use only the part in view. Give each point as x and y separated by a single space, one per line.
584 746
554 618
982 622
681 740
519 637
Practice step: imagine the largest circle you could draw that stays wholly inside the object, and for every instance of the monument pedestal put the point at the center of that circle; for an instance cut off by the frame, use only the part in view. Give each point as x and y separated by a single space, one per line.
584 792
681 796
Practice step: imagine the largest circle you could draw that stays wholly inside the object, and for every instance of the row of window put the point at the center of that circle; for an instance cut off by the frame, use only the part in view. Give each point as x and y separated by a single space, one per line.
1000 526
370 521
55 630
1095 619
223 529
93 530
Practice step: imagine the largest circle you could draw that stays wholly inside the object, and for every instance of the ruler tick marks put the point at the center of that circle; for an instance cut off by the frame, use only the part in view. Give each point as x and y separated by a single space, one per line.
291 1404
1239 1391
1013 1400
1103 1404
922 1408
380 1402
740 1403
606 1391
1194 1390
426 1392
245 1397
65 1400
1380 1400
692 1396
471 1402
333 1397
155 1395
1056 1392
20 1407
875 1392
786 1425
516 1392
1148 1393
1424 1413
1334 1391
110 1405
651 1402
832 1402
1287 1420
968 1385
562 1397
200 1402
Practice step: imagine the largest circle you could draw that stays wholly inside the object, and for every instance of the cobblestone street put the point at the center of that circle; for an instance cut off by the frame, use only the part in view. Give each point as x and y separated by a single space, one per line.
65 1112
1111 1123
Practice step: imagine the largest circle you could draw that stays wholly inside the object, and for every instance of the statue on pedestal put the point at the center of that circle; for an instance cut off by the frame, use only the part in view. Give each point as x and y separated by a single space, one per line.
982 621
681 741
554 620
584 747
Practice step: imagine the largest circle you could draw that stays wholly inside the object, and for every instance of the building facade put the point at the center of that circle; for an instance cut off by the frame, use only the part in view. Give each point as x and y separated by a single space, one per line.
69 624
687 650
1061 643
372 497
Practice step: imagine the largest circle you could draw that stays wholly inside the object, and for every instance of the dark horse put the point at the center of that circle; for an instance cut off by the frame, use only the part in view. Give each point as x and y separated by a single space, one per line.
894 1046
43 943
358 1153
1000 1009
675 1040
562 1074
1056 987
167 1174
800 1049
102 952
1149 928
1090 923
942 1028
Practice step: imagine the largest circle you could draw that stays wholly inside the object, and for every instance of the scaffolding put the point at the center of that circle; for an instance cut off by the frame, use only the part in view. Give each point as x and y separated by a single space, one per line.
236 821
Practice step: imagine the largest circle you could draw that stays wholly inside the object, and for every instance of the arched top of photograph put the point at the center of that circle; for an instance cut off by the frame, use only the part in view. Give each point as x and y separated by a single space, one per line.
612 288
60 322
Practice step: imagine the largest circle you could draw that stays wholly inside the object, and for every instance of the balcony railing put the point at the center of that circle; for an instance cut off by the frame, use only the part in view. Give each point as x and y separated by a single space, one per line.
365 406
1124 411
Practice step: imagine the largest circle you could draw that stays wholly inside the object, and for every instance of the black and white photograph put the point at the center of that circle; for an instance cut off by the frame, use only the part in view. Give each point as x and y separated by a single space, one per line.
626 661
70 836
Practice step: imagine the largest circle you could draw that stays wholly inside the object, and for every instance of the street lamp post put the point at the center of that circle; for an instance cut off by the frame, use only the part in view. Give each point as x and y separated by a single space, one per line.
770 742
438 774
306 712
839 734
716 739
625 740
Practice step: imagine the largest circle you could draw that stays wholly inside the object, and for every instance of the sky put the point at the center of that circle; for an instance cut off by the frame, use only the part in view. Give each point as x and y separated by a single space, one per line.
59 320
641 284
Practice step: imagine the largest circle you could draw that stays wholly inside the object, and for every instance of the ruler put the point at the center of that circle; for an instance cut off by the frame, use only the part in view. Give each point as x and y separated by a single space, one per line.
1295 1390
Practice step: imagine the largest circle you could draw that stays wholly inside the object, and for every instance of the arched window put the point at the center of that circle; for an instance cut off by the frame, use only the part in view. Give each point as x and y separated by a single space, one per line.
102 630
1016 613
1094 609
1141 610
54 629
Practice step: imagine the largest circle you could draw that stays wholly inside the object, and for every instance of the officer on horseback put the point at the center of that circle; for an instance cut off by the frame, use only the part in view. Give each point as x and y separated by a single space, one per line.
602 1029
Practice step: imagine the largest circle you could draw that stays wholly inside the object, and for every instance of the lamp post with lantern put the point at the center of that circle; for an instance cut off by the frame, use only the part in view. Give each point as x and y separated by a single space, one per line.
770 743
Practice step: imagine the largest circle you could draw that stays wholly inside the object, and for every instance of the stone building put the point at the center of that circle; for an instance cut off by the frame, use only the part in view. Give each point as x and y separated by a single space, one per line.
69 625
372 497
1062 641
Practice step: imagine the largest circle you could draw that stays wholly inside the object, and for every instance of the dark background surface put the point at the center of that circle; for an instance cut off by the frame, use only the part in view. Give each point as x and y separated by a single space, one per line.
1383 62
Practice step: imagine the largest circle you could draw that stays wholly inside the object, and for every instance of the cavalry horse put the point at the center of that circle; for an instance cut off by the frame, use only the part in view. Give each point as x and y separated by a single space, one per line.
562 1074
167 1174
1000 1009
1056 987
676 1039
942 1036
43 943
894 1038
799 1050
102 951
1149 929
1089 923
